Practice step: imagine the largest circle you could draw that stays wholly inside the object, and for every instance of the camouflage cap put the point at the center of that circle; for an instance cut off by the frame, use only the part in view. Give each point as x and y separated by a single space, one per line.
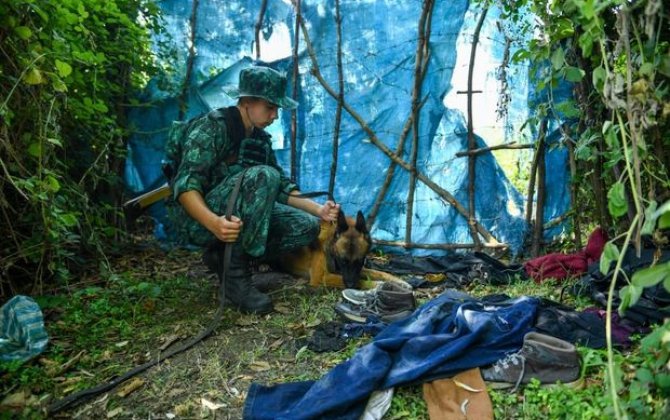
264 83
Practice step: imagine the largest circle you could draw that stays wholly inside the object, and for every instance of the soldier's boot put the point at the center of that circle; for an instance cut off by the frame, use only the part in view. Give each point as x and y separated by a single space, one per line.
238 287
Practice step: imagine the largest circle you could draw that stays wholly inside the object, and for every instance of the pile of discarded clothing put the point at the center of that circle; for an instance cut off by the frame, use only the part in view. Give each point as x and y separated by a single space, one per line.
452 344
457 345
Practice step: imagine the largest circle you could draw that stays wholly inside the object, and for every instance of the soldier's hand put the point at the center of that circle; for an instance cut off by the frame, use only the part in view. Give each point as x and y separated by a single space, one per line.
227 230
329 211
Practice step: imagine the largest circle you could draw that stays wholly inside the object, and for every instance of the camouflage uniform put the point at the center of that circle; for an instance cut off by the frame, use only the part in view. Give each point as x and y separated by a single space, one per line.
210 160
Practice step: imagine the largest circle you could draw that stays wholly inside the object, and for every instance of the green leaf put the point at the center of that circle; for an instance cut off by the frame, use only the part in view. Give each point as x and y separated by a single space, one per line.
651 276
100 106
625 296
649 219
664 221
585 42
652 341
567 109
635 293
663 381
558 58
652 215
599 76
574 74
69 219
59 85
644 375
666 283
40 12
33 77
35 149
520 55
23 32
611 138
647 69
616 200
64 69
52 183
564 28
629 296
663 215
664 66
610 254
55 141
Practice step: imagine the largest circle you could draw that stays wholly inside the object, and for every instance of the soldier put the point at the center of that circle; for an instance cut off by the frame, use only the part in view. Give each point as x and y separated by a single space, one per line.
269 217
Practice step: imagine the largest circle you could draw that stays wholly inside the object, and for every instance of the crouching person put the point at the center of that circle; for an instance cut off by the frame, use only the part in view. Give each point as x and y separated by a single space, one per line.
207 160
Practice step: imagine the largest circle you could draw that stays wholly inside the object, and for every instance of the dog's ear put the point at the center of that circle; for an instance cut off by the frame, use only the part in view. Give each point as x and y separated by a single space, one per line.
342 224
360 223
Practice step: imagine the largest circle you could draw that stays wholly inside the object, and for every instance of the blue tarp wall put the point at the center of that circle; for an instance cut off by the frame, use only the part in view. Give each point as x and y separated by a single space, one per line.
379 41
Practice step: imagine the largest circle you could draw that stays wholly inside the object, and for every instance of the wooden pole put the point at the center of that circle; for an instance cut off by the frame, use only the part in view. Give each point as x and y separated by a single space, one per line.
340 98
421 51
533 176
538 228
259 24
495 245
294 113
573 194
472 142
511 145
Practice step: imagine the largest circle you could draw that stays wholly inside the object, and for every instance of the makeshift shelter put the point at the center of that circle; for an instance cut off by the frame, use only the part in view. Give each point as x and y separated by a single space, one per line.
391 89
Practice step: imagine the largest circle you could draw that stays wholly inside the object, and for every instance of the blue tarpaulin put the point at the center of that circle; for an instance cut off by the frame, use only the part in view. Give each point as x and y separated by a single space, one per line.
379 41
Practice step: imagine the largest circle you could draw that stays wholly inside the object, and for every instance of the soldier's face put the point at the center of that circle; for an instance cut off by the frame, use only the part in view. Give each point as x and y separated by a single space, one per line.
261 113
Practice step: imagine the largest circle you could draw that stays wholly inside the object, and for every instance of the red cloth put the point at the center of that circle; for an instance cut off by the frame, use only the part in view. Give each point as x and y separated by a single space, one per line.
560 266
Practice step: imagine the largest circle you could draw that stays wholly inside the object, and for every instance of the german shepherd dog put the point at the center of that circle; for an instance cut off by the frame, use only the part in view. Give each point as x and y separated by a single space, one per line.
336 258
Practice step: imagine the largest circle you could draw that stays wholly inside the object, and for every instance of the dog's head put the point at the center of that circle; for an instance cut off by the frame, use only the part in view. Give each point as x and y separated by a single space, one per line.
349 248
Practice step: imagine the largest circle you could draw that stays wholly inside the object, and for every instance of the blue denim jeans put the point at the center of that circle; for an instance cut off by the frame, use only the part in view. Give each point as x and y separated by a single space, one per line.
443 337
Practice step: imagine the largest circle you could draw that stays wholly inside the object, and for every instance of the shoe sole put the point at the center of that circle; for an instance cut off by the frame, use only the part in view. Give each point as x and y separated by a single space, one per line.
578 384
385 319
362 302
230 304
354 301
351 317
359 302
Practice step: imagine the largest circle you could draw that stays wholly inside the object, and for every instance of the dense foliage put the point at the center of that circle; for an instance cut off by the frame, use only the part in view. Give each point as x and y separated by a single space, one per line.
67 69
615 55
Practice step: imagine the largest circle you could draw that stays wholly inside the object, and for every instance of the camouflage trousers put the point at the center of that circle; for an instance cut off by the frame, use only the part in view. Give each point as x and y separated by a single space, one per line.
269 227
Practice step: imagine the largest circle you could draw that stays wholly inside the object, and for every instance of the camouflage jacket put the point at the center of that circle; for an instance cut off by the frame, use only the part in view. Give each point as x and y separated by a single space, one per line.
208 154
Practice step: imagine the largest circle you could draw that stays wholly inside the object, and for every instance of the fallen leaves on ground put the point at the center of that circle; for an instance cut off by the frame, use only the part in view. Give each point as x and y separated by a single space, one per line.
211 405
260 366
129 387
